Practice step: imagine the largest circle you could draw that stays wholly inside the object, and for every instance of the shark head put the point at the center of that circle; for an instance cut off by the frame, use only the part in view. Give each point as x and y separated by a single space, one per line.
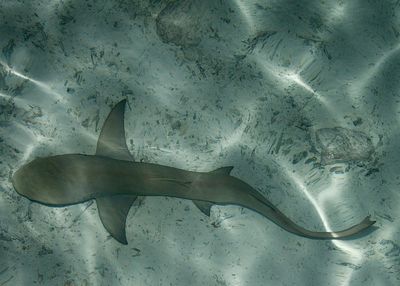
26 182
63 180
74 178
47 181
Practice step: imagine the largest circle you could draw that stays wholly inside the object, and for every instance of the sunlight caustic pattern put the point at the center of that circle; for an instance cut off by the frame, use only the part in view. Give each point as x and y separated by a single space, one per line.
287 77
338 12
357 88
36 139
355 254
32 142
45 87
236 136
245 10
305 59
6 96
284 75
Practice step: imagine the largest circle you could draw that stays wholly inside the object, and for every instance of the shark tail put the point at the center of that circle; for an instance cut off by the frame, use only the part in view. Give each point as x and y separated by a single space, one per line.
264 207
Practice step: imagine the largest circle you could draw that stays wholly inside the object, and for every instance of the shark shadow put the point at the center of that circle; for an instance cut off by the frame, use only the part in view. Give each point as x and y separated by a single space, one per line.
115 180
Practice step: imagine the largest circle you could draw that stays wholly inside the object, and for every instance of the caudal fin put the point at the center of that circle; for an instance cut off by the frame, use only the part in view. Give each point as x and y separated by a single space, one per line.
347 233
264 207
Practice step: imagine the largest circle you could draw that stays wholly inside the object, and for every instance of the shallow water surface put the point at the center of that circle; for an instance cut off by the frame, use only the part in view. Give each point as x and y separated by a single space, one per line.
301 97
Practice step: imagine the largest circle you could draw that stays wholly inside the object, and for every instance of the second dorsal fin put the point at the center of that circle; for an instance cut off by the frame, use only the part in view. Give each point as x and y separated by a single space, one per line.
112 142
223 170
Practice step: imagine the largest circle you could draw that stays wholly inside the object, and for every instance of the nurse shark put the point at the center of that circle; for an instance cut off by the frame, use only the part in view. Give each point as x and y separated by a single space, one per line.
115 180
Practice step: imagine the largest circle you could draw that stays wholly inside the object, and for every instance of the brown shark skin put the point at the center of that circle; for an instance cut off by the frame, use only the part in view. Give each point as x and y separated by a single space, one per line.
74 178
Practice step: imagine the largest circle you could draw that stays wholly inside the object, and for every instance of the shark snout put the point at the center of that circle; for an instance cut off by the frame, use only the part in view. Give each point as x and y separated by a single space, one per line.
17 180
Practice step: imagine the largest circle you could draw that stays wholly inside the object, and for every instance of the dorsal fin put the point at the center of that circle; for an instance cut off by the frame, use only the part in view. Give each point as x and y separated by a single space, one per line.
113 212
112 142
223 170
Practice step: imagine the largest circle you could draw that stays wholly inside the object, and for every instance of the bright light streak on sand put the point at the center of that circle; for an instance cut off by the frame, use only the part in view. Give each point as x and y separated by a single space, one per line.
358 87
6 96
317 206
244 9
296 78
356 256
287 77
45 87
337 13
34 140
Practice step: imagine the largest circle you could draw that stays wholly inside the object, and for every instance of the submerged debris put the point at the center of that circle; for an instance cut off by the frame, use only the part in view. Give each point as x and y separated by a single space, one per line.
45 251
177 23
340 144
390 249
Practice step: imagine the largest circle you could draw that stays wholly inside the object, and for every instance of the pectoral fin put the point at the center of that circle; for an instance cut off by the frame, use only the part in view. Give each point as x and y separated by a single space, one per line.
112 142
113 212
205 207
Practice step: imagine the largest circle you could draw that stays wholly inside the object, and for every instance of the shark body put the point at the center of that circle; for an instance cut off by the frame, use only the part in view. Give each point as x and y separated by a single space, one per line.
115 180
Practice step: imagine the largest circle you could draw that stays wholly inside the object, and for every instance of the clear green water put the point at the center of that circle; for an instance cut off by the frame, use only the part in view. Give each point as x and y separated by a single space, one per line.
301 97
